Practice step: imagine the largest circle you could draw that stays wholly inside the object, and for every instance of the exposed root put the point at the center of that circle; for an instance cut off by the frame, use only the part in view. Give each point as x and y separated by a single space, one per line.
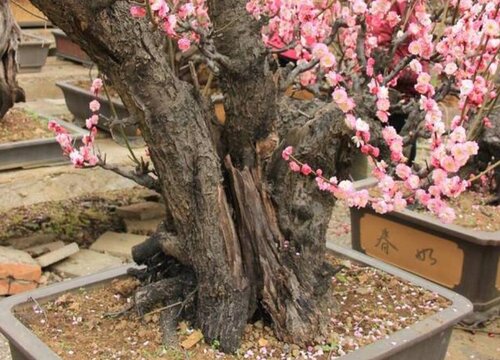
164 292
162 241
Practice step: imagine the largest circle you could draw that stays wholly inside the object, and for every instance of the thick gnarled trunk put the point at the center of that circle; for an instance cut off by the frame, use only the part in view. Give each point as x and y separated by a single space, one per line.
234 206
10 34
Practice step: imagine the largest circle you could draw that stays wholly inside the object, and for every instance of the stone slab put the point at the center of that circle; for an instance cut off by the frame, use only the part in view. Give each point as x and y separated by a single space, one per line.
18 265
39 250
55 183
57 255
117 244
29 241
142 227
142 211
86 262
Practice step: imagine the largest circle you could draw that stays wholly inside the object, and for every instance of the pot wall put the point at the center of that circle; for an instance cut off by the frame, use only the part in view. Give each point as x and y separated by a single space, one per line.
37 152
67 49
78 99
32 54
465 261
427 339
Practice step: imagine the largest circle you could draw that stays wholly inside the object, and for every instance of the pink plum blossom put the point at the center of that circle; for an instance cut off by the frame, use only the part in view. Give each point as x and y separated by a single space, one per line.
94 105
184 44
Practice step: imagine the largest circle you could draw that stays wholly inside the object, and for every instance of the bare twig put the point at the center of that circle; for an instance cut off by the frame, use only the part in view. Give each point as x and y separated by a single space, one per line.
399 67
194 75
360 44
163 308
208 84
41 309
297 71
144 179
485 171
116 314
283 49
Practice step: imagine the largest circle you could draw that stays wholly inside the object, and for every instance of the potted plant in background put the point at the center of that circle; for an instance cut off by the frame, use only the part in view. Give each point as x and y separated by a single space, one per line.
77 95
32 53
67 49
26 141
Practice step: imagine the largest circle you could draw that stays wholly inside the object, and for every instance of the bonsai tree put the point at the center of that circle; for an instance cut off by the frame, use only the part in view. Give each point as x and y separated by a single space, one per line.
245 233
10 34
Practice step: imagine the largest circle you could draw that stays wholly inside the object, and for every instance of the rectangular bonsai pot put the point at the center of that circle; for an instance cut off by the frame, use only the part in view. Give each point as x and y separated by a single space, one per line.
78 99
427 339
466 261
37 152
32 53
67 49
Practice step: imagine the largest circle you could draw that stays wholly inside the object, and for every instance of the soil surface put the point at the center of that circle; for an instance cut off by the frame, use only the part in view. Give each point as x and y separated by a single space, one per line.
18 125
85 324
86 84
473 212
81 220
471 208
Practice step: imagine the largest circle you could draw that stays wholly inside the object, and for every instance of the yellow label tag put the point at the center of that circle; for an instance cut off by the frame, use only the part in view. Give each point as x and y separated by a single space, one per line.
430 256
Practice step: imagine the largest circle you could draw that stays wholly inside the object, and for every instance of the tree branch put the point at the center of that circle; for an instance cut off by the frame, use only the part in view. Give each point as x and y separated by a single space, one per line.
98 5
297 71
399 67
142 179
337 25
360 45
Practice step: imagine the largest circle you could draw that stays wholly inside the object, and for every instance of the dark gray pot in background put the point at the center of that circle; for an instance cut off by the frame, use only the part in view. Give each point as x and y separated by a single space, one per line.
428 339
37 152
78 99
67 49
32 53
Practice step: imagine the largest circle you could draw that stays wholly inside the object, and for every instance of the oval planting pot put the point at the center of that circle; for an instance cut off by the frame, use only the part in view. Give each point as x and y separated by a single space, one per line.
37 152
32 53
427 339
67 49
464 260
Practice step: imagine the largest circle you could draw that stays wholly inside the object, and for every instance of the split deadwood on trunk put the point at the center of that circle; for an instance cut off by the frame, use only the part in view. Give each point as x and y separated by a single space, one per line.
234 204
10 36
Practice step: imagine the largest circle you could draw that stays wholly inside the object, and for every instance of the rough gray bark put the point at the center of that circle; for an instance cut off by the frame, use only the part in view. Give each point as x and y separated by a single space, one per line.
233 203
10 34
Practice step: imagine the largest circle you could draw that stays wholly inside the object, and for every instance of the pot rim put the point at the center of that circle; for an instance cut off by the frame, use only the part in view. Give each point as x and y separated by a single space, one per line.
33 348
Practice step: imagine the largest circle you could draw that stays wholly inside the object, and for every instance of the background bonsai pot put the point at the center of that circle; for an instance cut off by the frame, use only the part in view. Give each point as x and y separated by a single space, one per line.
78 99
466 261
67 49
32 53
37 152
427 339
27 15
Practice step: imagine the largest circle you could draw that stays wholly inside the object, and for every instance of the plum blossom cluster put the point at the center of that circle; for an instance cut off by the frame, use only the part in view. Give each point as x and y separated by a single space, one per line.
85 154
361 50
431 54
182 20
